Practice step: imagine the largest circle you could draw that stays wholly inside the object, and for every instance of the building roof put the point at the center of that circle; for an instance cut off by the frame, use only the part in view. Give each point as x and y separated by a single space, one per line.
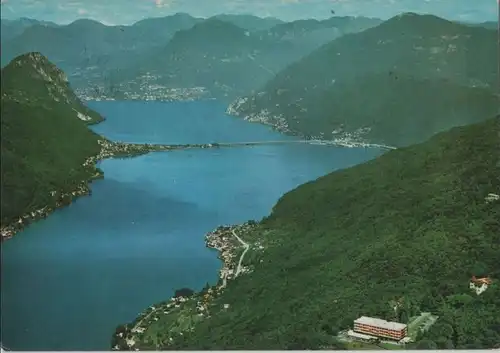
365 320
484 280
359 335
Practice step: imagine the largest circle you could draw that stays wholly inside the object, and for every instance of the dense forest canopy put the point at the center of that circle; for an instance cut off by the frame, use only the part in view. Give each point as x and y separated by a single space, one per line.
413 226
44 142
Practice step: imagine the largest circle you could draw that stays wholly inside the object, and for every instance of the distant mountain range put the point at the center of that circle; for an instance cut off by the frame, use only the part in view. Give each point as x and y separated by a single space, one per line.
396 83
13 28
91 51
487 24
90 45
214 54
250 22
229 60
236 55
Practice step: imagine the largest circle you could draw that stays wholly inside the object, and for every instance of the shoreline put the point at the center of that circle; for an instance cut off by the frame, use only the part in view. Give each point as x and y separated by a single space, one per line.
62 198
226 242
111 149
342 141
279 124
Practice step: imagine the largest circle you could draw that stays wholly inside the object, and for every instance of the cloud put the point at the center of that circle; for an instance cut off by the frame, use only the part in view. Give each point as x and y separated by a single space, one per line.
82 11
163 3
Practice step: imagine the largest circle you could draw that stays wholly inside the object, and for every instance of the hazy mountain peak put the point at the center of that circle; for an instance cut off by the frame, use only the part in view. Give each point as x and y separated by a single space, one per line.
415 19
86 22
407 14
212 28
215 22
39 66
30 74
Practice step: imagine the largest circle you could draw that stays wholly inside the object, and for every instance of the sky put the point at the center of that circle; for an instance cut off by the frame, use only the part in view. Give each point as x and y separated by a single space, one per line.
124 12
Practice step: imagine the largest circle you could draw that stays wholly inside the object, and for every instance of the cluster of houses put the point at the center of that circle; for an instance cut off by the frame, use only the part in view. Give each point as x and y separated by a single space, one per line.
221 239
108 149
148 317
63 198
144 88
10 230
113 149
154 312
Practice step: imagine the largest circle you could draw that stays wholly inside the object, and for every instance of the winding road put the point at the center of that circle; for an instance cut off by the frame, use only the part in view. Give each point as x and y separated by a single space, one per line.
238 269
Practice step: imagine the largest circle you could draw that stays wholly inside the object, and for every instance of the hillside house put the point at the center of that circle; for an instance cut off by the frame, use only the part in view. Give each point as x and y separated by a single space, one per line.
479 285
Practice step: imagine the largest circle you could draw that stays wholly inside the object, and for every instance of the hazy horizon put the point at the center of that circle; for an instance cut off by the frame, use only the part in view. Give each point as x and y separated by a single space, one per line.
114 13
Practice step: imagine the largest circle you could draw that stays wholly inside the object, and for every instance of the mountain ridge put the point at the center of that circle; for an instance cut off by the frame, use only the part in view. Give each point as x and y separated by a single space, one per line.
45 138
96 55
225 59
421 47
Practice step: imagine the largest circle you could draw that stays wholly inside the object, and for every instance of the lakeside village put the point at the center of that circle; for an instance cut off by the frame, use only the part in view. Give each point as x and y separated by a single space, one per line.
339 137
173 318
144 88
179 314
63 198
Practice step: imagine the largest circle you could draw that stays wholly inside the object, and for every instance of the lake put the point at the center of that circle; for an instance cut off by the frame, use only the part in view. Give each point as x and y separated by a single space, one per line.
69 280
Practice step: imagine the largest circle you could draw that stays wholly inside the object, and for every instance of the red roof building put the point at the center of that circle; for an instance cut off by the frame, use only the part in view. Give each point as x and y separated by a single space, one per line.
380 328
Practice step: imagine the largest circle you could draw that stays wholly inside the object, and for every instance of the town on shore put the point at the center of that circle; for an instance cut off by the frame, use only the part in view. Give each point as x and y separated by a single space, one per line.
144 88
196 306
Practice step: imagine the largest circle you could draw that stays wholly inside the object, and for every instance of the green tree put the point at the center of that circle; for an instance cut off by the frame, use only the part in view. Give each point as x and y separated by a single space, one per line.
479 269
444 343
426 344
403 317
441 329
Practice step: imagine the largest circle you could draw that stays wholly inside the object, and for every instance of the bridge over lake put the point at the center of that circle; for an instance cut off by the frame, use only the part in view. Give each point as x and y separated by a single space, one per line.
338 143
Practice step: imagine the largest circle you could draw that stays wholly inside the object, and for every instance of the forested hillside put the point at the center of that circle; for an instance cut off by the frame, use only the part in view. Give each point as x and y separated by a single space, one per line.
45 138
411 226
384 84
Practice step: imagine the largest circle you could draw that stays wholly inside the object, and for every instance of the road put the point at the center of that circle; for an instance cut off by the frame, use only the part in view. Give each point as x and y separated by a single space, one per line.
238 269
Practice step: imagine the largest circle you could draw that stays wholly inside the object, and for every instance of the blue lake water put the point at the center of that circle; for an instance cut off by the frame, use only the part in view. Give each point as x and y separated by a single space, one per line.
69 280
